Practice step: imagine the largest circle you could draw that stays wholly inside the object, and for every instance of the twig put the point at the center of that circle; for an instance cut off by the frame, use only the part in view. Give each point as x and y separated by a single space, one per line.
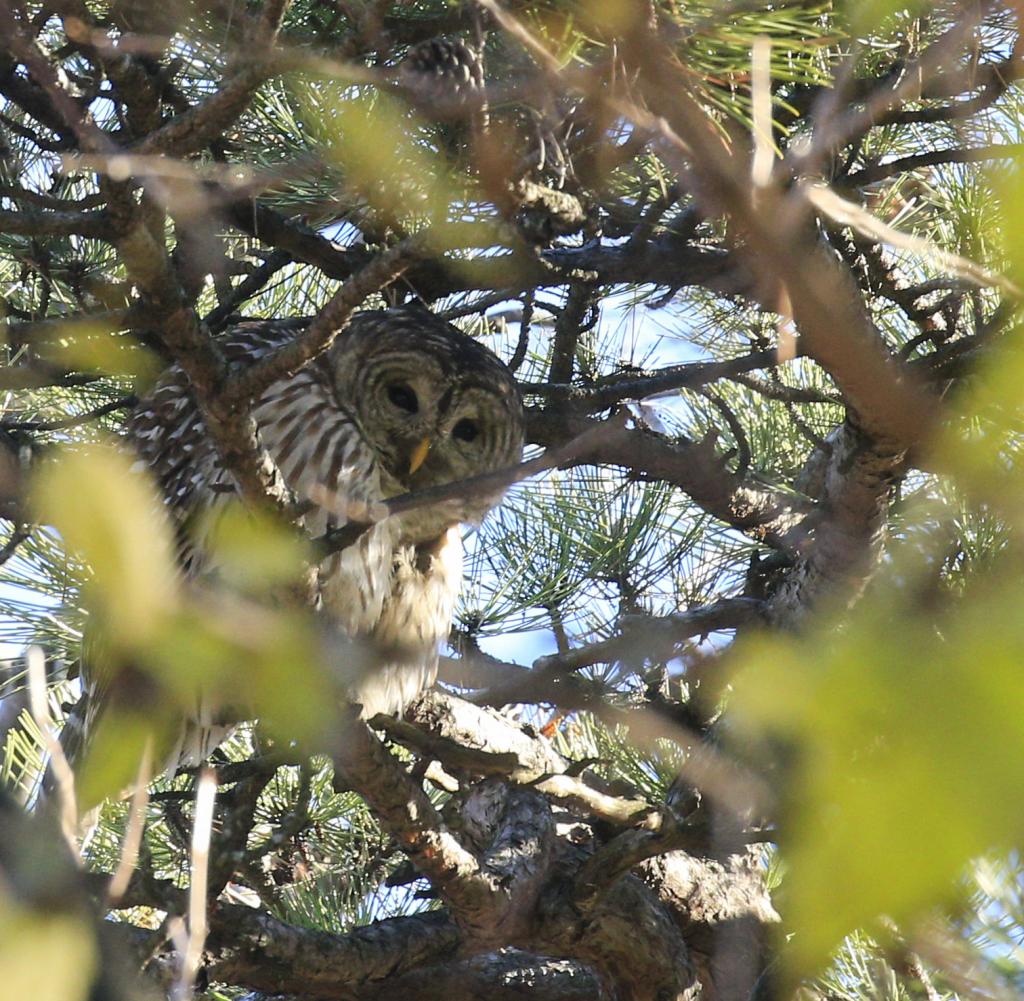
613 389
516 28
640 636
246 289
743 457
653 214
133 834
994 79
331 320
38 376
202 827
51 100
18 535
849 214
879 171
573 319
764 512
475 486
119 166
270 20
786 394
834 131
70 422
761 96
803 277
477 305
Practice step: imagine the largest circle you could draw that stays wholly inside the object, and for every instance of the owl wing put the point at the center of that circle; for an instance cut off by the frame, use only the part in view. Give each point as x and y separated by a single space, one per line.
322 457
167 435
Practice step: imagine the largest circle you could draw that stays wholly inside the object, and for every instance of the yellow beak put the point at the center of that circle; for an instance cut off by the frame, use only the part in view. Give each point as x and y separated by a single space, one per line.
418 455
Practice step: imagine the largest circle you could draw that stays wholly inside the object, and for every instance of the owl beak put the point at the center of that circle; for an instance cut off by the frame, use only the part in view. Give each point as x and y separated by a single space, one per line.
418 455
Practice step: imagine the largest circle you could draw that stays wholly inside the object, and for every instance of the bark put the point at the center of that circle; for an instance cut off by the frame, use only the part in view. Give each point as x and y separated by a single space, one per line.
843 547
259 952
725 912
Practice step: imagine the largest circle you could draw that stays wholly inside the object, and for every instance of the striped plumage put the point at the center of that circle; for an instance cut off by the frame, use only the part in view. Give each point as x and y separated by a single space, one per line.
349 428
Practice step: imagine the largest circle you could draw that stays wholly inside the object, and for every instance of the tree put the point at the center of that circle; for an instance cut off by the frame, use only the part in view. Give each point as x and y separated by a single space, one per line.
755 266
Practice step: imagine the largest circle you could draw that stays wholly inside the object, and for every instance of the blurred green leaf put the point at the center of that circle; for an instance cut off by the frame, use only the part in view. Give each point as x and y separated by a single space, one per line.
254 551
904 721
94 347
872 15
116 745
112 517
45 957
371 140
909 756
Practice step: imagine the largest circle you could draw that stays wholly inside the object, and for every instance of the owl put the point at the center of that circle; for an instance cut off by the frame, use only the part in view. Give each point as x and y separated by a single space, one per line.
401 401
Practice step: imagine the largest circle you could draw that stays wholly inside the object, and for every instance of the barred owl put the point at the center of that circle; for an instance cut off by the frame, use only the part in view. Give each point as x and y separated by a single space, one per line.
400 402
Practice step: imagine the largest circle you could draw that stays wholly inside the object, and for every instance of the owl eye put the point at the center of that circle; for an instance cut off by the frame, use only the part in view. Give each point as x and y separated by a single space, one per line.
466 430
404 398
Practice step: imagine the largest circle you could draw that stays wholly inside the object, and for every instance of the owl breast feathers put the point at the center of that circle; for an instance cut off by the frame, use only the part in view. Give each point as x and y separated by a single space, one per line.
402 401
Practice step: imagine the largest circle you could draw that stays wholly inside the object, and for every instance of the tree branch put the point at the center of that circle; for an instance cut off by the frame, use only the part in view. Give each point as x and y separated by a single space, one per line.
403 808
70 422
300 241
28 222
879 171
481 485
641 637
757 508
201 124
603 393
260 952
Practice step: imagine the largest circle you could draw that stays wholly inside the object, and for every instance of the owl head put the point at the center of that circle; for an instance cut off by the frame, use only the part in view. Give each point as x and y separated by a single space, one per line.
435 405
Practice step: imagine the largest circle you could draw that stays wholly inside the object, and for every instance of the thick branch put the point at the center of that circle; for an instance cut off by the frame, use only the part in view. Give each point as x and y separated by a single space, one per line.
260 952
403 808
466 736
828 308
233 431
191 131
506 976
858 479
29 222
302 243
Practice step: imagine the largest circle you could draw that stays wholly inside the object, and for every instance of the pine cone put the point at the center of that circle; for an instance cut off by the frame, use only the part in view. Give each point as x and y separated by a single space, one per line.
444 75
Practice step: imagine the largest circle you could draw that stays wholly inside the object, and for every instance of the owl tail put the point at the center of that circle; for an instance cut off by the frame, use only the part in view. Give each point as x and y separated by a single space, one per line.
191 744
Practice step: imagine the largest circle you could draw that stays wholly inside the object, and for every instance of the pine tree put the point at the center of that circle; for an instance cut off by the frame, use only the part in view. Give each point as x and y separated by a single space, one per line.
732 704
